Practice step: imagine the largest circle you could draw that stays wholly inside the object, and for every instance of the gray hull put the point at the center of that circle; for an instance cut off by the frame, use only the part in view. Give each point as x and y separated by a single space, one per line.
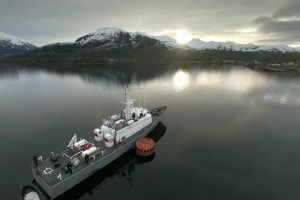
57 189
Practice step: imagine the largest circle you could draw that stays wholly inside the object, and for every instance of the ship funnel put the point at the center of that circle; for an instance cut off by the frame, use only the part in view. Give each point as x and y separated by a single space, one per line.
128 108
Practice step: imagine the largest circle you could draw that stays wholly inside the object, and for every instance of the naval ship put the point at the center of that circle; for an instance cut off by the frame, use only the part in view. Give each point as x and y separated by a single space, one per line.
57 172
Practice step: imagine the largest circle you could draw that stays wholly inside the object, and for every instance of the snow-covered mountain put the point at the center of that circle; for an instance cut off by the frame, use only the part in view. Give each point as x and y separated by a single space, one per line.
232 46
109 34
111 38
108 43
10 44
114 37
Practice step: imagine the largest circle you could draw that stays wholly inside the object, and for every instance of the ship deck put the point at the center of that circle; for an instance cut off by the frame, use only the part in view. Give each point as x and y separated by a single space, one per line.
54 171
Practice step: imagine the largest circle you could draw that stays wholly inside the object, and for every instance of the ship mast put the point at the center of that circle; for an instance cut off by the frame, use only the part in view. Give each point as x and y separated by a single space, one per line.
128 105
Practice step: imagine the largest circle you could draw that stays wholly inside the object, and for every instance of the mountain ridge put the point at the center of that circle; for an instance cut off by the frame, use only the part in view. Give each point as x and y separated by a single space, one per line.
115 44
109 33
229 45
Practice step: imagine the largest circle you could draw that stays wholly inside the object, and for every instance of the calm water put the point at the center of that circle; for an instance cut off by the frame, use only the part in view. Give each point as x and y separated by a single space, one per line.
229 132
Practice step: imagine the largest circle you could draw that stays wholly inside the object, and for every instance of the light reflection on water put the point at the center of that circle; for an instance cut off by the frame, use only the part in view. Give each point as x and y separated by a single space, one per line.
181 80
230 133
236 80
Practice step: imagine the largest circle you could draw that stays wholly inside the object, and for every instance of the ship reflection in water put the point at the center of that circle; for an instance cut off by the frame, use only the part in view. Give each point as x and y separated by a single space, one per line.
123 167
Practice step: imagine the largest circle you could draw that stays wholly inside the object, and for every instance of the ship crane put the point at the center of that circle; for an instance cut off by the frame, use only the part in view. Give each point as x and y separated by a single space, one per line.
73 141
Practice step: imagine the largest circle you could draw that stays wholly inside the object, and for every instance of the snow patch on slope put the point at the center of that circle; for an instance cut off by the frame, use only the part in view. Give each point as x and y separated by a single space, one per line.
12 39
100 34
138 33
169 41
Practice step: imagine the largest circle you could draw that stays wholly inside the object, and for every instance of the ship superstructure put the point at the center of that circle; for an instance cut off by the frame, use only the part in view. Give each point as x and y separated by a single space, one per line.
58 171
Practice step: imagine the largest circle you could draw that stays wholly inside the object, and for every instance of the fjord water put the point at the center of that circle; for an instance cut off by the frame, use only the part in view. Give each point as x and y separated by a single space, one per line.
229 132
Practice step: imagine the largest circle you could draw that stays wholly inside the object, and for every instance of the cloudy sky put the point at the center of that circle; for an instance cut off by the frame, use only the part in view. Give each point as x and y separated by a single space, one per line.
243 21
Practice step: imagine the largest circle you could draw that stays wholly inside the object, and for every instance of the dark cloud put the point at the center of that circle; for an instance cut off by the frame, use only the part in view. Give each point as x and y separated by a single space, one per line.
289 11
282 27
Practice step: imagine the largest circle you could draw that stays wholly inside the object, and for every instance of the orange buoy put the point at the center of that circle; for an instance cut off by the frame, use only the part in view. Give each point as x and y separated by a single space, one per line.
144 146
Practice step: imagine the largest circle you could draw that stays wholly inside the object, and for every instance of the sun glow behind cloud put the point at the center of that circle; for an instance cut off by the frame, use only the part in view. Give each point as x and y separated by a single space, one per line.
183 36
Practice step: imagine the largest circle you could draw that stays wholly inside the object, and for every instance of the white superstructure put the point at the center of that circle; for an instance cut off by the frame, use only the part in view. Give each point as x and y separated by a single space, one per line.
122 126
133 127
98 135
